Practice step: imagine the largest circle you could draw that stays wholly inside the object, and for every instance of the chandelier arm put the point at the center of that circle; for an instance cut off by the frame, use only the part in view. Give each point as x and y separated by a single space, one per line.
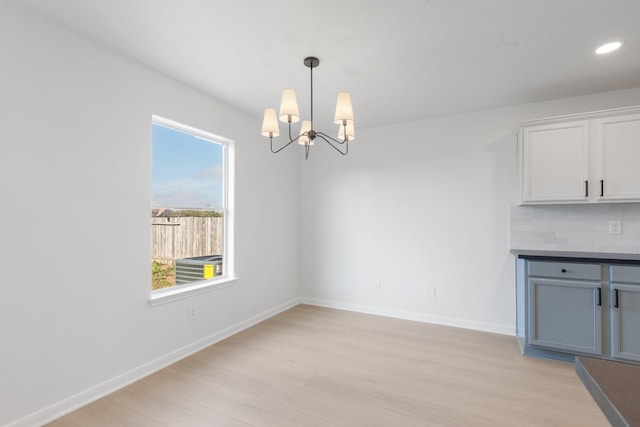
305 133
328 141
325 136
279 149
284 146
291 141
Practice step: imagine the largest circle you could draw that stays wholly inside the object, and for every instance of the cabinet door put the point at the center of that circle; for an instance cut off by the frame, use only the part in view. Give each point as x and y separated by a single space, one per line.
618 145
625 322
565 315
554 162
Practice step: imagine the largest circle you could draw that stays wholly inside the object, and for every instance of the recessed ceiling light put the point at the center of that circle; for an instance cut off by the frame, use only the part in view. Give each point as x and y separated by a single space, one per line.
608 47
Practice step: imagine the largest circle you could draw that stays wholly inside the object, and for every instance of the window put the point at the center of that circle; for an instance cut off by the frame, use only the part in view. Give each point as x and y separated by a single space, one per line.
191 210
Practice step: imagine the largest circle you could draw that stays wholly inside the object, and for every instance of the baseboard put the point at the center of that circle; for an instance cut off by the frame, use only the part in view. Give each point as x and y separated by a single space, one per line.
419 317
85 397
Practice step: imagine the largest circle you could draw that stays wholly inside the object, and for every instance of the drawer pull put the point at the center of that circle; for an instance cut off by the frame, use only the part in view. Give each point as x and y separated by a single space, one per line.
586 189
564 270
601 187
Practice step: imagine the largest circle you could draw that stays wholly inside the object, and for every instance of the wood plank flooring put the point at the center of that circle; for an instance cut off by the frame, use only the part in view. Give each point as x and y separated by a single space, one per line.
312 366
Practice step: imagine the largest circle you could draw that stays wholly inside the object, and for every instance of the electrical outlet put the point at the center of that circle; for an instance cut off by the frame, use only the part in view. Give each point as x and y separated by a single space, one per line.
615 227
192 313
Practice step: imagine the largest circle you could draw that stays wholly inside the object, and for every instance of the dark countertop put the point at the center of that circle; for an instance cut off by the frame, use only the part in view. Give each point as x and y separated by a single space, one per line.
602 257
615 386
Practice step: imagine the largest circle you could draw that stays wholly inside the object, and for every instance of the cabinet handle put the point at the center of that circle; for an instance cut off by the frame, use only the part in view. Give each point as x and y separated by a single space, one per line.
564 270
586 189
599 296
617 301
601 187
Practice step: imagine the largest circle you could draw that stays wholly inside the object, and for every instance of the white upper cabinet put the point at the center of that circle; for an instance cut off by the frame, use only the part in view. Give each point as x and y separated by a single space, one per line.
583 158
618 145
555 162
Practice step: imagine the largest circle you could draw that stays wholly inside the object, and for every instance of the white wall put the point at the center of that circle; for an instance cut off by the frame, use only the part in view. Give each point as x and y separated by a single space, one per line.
423 205
75 185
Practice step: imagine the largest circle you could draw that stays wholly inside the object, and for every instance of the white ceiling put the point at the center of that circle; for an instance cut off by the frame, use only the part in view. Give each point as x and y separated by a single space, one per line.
401 60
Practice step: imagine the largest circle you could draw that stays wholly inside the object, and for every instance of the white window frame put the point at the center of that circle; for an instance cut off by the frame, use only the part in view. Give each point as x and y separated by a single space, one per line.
228 277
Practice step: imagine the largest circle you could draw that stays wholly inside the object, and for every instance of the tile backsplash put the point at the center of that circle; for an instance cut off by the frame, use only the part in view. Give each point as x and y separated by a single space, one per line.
583 228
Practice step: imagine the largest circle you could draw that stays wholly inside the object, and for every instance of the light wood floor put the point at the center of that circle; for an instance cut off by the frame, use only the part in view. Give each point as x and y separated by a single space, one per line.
312 366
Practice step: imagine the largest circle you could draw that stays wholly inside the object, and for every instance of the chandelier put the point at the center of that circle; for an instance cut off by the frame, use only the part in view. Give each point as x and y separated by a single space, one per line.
308 135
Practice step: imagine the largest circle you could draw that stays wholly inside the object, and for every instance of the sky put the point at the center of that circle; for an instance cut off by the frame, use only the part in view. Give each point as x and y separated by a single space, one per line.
187 172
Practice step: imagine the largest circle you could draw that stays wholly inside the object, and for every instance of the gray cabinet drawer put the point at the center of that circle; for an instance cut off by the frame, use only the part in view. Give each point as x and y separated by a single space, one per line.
625 273
565 270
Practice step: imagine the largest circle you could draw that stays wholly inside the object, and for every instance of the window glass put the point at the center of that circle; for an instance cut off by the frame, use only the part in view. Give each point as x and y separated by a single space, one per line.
188 206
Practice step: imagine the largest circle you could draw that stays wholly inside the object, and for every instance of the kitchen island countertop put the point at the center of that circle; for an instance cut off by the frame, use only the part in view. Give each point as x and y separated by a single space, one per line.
615 386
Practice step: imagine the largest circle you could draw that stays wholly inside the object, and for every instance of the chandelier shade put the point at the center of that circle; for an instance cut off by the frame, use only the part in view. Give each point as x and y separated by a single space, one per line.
304 133
289 107
289 114
270 126
343 108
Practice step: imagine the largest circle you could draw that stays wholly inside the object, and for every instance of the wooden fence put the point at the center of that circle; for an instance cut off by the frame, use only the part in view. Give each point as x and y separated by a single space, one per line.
185 237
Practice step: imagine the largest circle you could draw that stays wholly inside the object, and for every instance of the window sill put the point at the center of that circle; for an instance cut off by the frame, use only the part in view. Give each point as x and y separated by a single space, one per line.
163 296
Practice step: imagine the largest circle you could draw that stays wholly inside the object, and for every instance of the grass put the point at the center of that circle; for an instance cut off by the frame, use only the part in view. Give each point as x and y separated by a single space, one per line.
162 275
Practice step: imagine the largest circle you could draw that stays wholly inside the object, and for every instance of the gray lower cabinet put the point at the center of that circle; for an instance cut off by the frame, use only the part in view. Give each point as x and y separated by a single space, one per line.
565 315
625 312
585 308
